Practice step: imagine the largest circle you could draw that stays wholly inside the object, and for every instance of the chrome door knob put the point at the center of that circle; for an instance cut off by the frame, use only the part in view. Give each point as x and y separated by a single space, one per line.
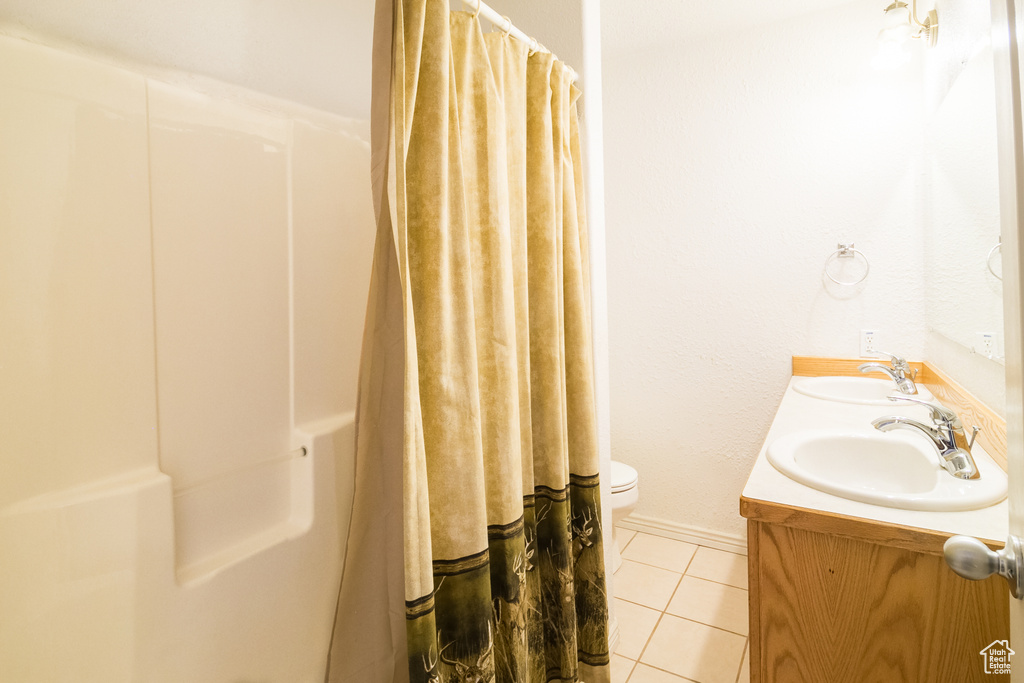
972 559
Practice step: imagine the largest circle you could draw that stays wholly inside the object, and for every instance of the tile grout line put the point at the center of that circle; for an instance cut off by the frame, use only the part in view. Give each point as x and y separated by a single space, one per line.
661 616
747 588
644 648
654 630
633 668
671 595
648 564
664 612
623 548
746 647
688 564
692 621
717 628
679 540
739 588
657 668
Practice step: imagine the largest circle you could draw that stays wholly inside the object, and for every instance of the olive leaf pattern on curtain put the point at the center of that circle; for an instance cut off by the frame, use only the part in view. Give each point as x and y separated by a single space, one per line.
504 564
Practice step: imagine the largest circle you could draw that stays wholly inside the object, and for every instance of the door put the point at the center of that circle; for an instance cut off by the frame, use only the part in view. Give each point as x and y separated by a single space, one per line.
1007 17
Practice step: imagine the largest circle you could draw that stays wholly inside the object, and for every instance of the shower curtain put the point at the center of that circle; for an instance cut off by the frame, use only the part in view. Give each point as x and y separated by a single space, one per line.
476 548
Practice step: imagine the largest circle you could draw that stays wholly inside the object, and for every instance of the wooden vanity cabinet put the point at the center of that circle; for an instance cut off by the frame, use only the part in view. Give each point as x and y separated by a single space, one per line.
837 599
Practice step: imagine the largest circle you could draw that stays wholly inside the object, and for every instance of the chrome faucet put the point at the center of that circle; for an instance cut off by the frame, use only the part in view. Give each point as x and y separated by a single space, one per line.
946 434
898 372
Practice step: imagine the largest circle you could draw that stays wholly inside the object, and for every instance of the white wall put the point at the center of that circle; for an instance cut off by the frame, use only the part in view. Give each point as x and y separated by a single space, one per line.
737 156
556 25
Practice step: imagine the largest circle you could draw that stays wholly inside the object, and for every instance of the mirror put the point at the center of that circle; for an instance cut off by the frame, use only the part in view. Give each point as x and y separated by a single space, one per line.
960 210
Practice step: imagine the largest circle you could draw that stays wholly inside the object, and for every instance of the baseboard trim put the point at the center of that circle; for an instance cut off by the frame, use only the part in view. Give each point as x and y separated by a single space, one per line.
732 543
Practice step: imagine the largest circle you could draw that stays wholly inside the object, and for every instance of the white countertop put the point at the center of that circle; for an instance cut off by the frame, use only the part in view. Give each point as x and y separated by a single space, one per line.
798 412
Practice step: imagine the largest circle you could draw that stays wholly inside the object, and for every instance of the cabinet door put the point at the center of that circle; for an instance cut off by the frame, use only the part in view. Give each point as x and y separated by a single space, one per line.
825 608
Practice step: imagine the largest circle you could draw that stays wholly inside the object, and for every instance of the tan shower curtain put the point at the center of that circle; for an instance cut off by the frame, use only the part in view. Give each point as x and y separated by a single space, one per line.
476 415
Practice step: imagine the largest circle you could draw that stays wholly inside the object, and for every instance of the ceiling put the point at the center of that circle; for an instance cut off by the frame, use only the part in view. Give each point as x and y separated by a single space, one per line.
318 52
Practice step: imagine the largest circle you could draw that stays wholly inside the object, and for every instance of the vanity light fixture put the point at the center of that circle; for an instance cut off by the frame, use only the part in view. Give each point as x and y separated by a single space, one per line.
901 24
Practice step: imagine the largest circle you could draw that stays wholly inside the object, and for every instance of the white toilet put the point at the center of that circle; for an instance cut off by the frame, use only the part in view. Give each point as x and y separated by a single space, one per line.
624 497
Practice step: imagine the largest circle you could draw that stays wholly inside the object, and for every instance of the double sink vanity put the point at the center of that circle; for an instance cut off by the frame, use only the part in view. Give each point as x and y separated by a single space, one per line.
848 506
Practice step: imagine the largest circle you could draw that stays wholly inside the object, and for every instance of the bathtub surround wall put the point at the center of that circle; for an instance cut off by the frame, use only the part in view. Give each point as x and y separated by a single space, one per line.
742 145
184 291
316 53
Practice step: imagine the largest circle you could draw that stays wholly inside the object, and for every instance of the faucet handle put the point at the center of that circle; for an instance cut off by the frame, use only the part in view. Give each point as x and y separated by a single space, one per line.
898 362
940 414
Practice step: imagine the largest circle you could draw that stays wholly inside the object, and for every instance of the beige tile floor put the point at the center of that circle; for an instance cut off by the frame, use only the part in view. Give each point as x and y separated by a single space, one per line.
682 611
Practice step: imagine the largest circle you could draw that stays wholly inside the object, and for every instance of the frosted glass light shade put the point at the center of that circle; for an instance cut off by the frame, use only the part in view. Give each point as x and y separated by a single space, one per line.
891 54
896 32
899 33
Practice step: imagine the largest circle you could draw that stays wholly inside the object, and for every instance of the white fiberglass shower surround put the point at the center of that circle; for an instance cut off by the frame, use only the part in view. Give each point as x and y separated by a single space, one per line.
184 285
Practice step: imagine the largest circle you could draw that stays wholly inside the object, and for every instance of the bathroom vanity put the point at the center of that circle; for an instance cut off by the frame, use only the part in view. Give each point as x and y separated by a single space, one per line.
849 591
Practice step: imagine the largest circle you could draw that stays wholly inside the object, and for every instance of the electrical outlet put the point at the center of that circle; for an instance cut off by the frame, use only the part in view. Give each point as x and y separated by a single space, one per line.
986 344
867 343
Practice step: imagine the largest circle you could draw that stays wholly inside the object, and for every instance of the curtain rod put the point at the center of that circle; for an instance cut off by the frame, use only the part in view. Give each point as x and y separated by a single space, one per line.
506 26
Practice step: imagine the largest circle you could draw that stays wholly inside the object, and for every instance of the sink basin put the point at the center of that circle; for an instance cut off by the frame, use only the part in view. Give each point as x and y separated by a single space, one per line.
866 391
892 470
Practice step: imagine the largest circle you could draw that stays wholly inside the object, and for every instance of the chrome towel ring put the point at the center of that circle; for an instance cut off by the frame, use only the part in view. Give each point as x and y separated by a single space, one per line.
847 251
991 253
